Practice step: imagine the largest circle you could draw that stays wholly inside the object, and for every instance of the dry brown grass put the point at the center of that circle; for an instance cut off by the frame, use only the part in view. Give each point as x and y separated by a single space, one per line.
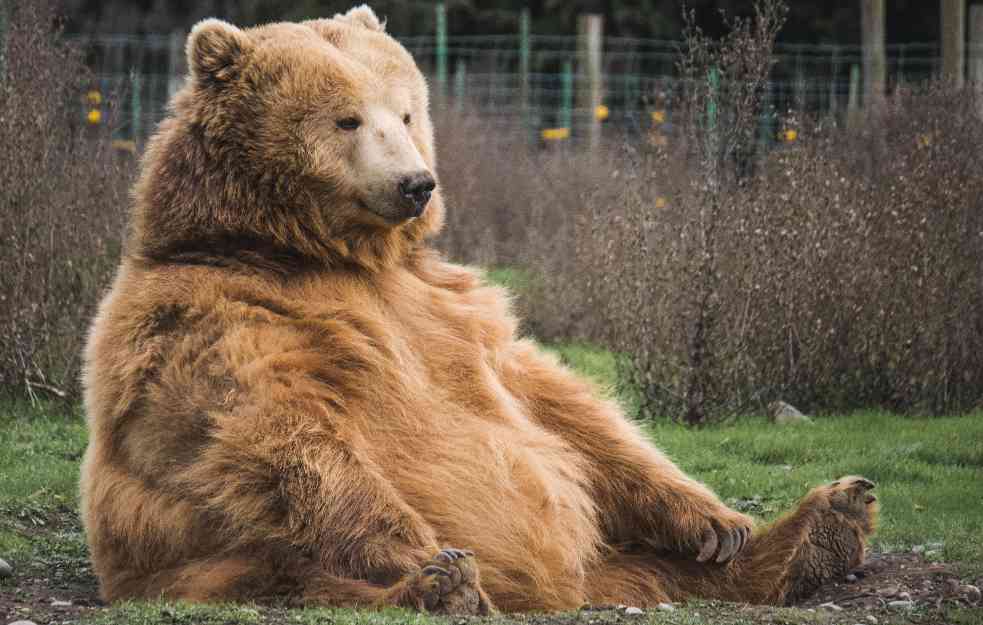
62 196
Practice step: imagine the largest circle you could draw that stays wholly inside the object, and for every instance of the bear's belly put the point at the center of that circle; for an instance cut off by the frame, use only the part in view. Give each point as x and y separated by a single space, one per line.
507 489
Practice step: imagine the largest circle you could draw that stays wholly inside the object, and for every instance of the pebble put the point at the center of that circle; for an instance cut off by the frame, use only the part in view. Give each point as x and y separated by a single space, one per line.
851 578
667 607
972 593
901 605
23 623
634 611
872 619
5 569
831 606
57 603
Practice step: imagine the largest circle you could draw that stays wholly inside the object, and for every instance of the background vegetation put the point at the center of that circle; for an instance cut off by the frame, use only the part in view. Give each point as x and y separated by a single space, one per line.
838 271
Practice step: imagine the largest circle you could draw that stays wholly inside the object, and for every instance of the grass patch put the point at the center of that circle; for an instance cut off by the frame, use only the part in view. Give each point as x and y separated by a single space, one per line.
928 473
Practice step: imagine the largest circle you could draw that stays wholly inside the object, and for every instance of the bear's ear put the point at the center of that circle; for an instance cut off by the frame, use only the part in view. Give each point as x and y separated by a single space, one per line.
215 50
363 16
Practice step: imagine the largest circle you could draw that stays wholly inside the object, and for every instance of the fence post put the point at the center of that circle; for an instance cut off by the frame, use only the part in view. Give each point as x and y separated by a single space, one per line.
175 61
954 41
524 53
853 104
875 66
566 96
590 28
976 52
460 80
833 83
441 14
136 110
3 41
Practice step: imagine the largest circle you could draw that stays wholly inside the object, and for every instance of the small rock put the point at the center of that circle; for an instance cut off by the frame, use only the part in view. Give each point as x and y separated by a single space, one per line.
972 593
5 569
667 607
918 549
782 413
904 596
871 619
57 603
23 623
633 611
950 587
851 578
829 605
901 605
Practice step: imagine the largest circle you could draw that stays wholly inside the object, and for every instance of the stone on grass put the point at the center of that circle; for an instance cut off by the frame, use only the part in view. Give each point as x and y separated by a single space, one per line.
901 604
58 603
972 593
23 623
782 413
634 611
667 607
829 605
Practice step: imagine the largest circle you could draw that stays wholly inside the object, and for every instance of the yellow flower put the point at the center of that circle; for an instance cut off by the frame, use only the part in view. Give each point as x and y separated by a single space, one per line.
94 116
555 134
661 202
790 135
601 112
94 97
658 117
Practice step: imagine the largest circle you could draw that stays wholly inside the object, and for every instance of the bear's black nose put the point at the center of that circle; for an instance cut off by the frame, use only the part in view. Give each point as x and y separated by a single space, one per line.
417 188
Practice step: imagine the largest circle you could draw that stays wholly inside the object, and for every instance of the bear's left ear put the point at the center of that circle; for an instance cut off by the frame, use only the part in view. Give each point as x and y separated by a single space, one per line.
215 49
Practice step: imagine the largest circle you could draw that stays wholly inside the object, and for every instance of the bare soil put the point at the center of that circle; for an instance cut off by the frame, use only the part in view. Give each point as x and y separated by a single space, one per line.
59 587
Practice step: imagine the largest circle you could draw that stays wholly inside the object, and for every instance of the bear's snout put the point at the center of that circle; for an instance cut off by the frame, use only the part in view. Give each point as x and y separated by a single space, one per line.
415 190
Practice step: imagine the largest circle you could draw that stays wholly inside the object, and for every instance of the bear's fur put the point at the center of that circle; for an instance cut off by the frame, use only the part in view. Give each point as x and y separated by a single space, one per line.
290 395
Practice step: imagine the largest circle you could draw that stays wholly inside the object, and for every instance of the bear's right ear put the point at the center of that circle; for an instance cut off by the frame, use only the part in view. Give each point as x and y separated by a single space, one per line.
215 49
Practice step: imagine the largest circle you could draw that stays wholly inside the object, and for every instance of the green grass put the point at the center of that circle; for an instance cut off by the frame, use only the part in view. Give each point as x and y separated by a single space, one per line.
929 474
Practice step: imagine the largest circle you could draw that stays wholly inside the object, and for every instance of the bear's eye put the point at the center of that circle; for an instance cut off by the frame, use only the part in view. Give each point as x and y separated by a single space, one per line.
349 123
406 119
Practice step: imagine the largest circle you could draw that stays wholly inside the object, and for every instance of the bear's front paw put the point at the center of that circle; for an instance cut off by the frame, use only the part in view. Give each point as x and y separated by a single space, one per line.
449 584
720 535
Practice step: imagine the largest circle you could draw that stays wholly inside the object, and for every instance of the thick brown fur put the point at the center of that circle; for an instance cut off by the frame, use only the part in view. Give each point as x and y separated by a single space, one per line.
290 395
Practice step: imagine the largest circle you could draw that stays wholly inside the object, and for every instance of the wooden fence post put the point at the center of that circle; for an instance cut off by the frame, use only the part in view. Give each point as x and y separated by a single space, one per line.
976 52
175 61
524 54
590 29
441 15
460 83
3 40
954 41
875 66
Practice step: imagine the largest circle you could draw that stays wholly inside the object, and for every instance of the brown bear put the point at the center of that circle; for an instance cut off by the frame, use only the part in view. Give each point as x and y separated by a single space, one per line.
291 396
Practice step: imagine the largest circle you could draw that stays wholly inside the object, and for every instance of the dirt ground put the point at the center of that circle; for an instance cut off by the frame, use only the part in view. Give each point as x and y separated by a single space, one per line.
59 587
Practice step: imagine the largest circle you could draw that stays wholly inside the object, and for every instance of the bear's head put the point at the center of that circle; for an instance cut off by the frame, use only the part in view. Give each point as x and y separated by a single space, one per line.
308 140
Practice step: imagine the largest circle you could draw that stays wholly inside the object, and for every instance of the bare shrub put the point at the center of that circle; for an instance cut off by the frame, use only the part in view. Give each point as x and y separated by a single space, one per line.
839 271
62 194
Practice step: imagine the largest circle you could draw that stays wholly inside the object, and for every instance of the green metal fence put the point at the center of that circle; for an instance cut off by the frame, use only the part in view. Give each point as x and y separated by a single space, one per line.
526 80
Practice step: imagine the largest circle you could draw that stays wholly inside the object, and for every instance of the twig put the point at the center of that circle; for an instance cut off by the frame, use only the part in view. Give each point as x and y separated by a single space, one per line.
46 387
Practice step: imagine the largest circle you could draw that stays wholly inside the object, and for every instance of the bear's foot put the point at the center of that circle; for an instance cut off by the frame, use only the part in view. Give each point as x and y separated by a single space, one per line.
447 584
836 520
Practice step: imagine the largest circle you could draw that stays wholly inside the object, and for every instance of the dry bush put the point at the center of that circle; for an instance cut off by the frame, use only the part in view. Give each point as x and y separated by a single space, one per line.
62 196
838 272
